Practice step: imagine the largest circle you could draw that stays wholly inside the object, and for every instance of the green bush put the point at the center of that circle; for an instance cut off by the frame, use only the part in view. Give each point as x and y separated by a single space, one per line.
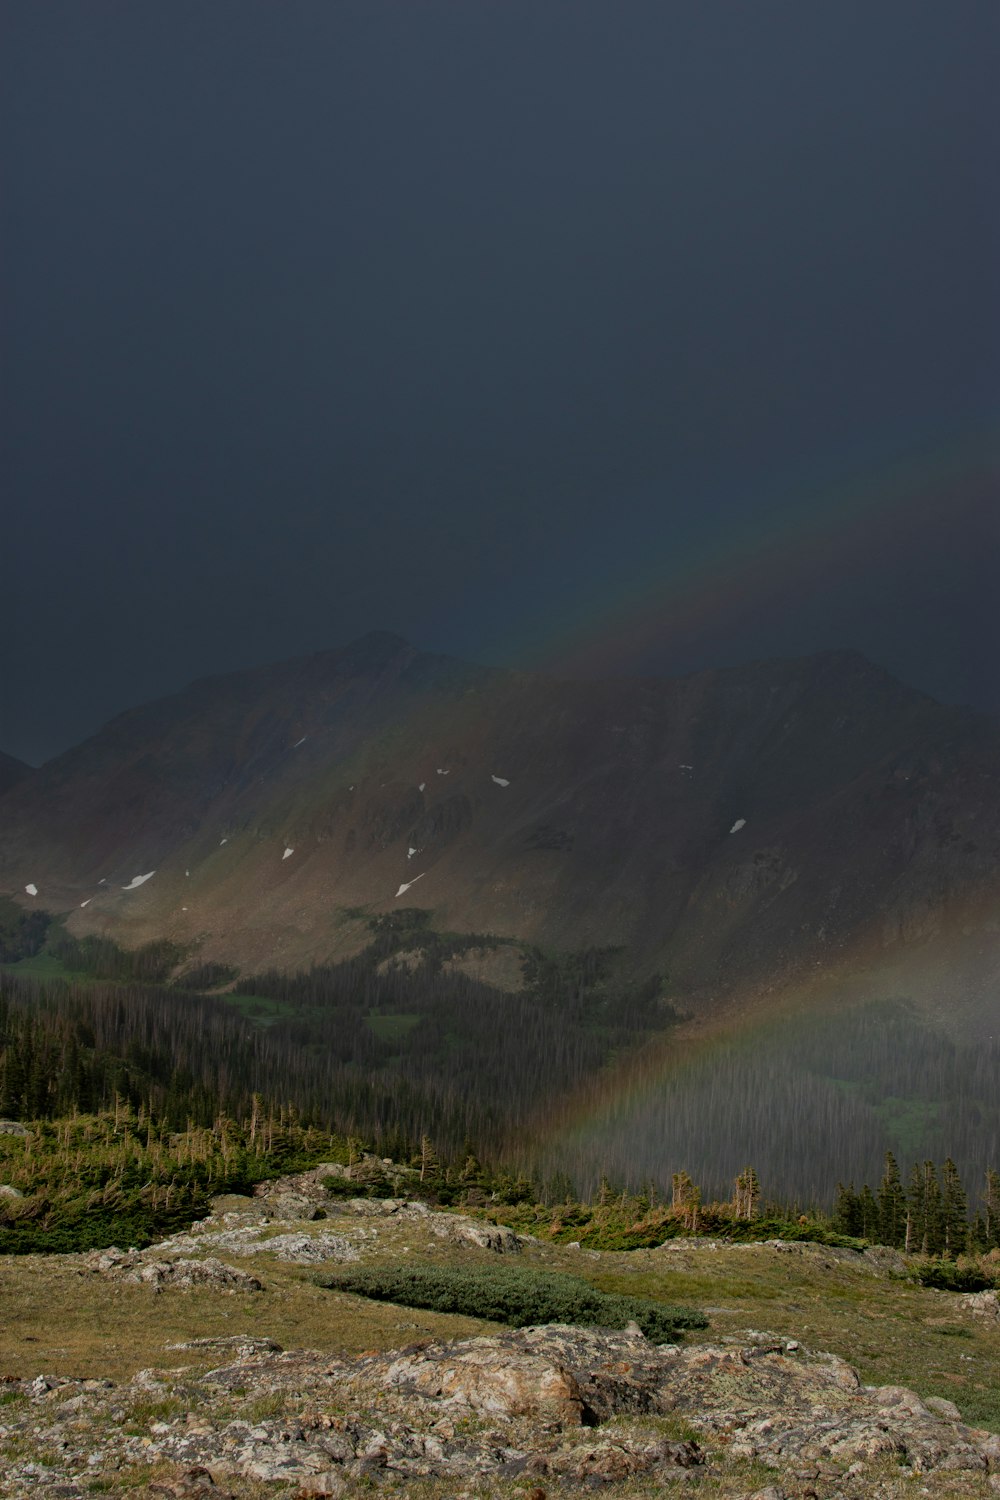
949 1277
514 1296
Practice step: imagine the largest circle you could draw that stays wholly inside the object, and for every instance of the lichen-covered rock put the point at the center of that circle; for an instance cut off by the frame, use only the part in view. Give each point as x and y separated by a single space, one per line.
983 1304
575 1409
463 1230
133 1266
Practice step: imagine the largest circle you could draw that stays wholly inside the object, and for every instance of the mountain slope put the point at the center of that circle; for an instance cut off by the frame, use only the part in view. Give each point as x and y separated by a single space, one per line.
730 826
11 772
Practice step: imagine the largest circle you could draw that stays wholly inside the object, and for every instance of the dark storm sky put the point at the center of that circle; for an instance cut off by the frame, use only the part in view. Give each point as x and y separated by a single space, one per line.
489 323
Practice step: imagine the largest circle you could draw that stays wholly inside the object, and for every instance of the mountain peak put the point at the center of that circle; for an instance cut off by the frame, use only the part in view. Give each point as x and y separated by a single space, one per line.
374 649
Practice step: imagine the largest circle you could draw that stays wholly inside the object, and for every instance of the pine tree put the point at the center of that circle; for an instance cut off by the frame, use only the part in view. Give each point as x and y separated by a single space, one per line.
747 1194
847 1210
933 1233
868 1213
686 1200
991 1202
430 1165
954 1211
914 1210
891 1204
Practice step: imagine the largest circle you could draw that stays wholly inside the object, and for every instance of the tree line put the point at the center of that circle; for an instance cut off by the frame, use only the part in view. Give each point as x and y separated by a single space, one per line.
929 1216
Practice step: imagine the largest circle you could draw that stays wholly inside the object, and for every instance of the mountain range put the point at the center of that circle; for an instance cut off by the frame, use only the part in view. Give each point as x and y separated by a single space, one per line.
735 829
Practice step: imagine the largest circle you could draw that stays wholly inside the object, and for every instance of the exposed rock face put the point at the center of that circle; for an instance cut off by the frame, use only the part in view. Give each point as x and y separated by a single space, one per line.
248 1228
578 1407
133 1266
985 1304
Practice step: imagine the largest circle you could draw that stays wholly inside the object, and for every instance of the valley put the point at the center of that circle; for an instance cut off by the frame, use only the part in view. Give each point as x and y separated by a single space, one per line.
627 927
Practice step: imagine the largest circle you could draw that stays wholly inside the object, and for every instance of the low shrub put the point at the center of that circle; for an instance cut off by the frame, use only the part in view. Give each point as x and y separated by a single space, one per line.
514 1296
948 1276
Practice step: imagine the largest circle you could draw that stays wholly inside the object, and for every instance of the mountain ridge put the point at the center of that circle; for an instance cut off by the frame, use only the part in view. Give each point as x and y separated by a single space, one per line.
735 823
12 771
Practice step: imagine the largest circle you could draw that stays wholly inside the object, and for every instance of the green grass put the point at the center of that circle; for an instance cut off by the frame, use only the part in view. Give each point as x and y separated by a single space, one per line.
908 1123
893 1331
44 966
259 1008
392 1028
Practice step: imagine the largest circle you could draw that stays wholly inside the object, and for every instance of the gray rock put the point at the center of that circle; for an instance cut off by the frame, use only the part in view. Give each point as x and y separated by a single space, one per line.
133 1266
983 1304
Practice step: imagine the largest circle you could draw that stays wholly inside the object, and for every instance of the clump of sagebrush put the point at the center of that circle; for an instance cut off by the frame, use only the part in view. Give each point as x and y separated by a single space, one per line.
514 1296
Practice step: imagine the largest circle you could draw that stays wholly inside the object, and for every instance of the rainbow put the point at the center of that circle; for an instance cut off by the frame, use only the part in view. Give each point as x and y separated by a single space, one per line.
809 532
648 1114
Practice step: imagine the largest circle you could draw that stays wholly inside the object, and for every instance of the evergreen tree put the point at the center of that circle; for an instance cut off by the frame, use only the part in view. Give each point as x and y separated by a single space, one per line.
991 1204
954 1211
847 1210
891 1204
868 1213
932 1239
747 1194
915 1198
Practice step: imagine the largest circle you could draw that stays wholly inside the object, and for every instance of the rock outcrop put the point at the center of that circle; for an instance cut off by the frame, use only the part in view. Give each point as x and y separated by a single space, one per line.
133 1266
578 1408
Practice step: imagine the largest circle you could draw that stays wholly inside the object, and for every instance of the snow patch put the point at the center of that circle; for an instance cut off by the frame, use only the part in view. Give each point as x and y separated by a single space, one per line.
223 841
87 902
740 823
104 881
188 873
31 888
299 742
411 852
422 787
500 780
406 885
138 880
442 772
685 768
288 854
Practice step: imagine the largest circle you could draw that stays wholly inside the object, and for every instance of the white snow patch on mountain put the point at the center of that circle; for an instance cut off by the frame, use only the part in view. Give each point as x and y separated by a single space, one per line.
138 880
422 787
500 780
740 823
299 742
288 853
31 888
407 883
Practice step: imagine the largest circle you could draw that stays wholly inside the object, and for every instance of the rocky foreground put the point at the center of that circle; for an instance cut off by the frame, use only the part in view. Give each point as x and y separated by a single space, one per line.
541 1411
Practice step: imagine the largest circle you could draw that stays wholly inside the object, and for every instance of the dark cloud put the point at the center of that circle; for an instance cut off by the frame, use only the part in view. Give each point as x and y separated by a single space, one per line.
462 320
